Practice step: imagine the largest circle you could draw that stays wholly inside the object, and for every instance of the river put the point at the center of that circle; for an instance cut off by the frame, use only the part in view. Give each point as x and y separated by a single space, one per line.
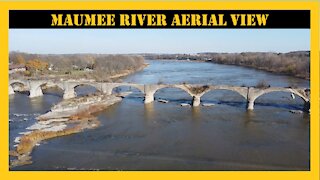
167 136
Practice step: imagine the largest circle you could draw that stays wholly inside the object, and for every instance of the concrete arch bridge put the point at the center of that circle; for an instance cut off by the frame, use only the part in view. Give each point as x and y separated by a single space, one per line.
196 91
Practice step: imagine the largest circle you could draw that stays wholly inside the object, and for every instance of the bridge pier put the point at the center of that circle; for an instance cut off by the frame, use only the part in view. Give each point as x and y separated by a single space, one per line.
252 95
69 93
35 91
250 105
196 101
149 91
148 98
106 89
306 106
11 91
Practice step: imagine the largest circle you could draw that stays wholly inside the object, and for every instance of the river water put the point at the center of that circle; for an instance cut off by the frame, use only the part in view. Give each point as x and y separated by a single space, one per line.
167 136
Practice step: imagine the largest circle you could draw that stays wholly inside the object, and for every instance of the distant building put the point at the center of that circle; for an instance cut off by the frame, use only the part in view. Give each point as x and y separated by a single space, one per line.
16 68
50 68
88 69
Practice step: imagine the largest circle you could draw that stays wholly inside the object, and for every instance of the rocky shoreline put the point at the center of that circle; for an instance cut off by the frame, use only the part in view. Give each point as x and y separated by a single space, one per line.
67 117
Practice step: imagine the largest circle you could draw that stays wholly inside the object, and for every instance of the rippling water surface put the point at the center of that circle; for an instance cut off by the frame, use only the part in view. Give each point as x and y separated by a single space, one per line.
158 136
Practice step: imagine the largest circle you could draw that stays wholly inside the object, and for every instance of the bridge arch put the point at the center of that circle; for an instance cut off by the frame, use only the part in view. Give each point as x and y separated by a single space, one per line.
172 87
184 89
150 90
134 91
184 96
21 84
96 86
138 87
13 84
225 96
39 86
259 93
243 94
36 87
93 88
18 82
282 90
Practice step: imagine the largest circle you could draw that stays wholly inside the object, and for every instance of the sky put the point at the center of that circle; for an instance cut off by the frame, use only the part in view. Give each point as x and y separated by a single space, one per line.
127 41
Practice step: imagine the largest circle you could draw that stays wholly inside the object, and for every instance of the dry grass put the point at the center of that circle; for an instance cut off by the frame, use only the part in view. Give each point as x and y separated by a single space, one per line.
198 89
262 84
87 113
294 64
29 141
77 123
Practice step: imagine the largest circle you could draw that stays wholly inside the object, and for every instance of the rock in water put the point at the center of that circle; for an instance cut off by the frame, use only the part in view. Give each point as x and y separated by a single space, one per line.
185 104
17 140
163 101
37 126
296 111
208 104
24 133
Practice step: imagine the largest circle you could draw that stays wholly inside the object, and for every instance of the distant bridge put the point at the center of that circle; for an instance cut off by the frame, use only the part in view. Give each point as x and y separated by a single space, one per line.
196 91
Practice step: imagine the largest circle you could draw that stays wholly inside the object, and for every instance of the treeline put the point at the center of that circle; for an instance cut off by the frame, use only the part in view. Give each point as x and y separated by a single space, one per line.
97 66
294 63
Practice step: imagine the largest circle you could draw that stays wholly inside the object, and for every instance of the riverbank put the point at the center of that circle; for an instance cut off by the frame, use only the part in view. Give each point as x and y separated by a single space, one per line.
295 64
286 72
83 75
67 117
286 69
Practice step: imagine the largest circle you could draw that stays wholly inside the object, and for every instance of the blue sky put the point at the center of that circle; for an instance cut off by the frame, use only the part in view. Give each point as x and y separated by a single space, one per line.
121 41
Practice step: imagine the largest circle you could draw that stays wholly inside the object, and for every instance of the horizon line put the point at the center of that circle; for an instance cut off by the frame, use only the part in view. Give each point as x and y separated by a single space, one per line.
17 51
